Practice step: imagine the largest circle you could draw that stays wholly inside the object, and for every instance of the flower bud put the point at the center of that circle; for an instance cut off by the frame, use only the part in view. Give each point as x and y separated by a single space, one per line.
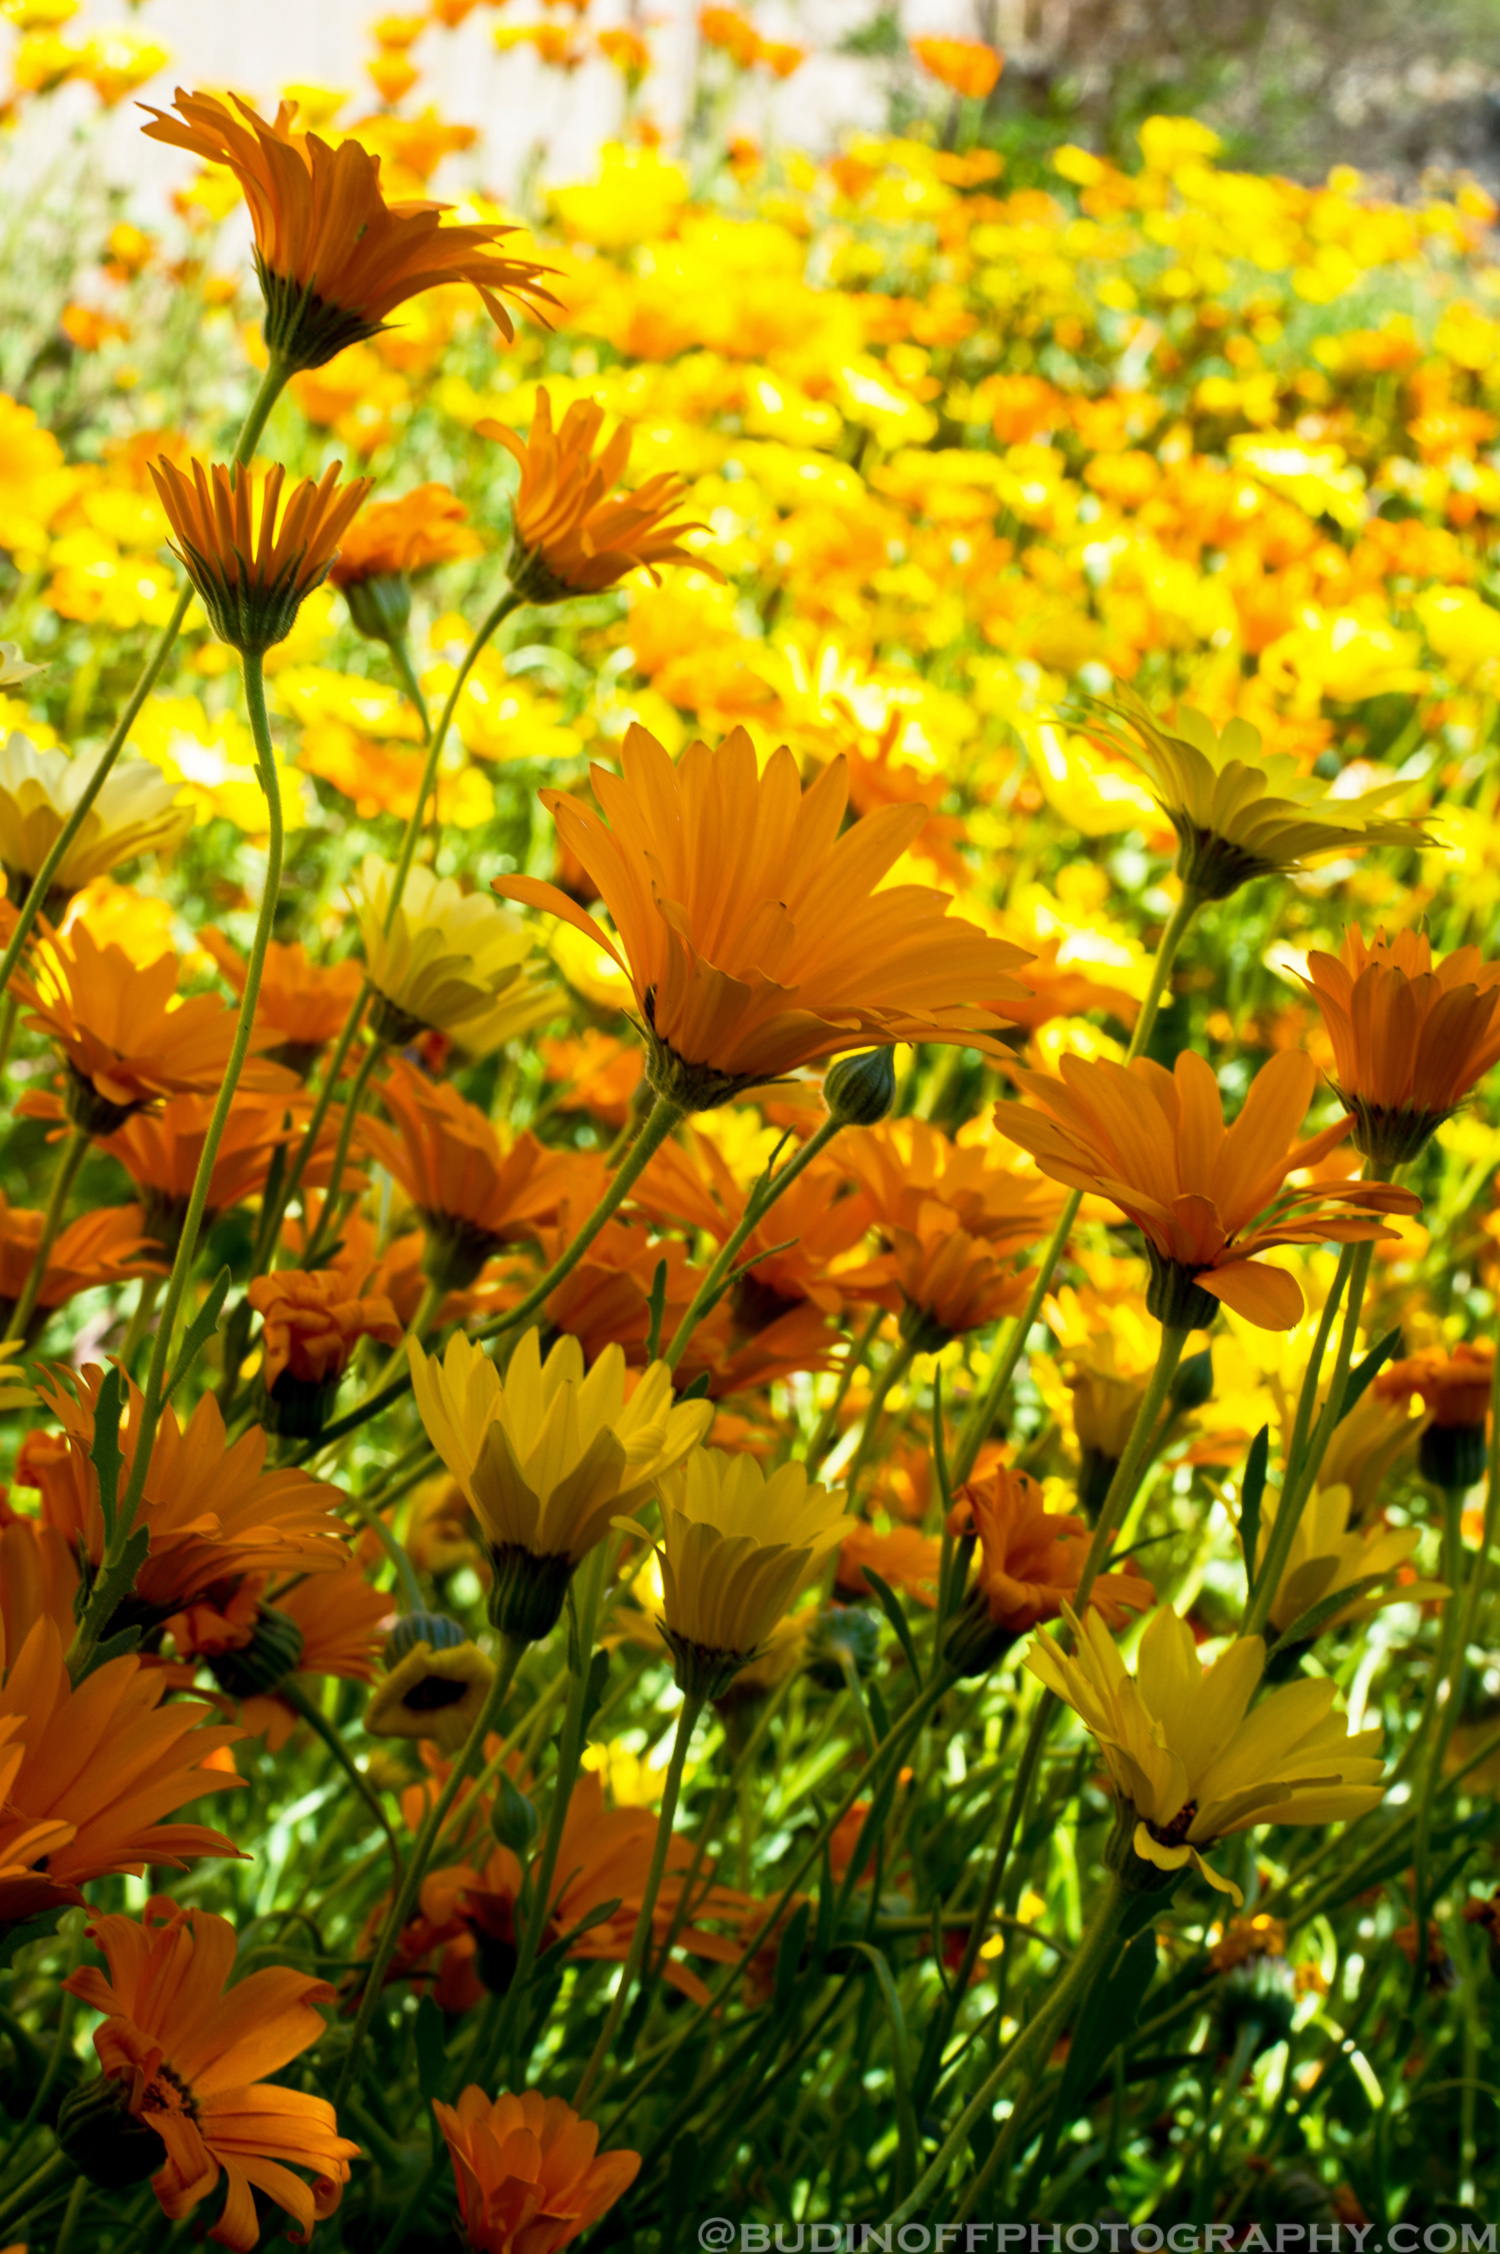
1194 1383
104 2140
380 607
860 1090
844 1632
272 1653
513 1819
434 1629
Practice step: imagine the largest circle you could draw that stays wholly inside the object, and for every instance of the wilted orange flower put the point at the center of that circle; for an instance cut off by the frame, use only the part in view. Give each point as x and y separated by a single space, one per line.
951 1282
426 527
1206 1198
187 2058
752 931
1410 1037
572 534
1453 1388
334 258
1030 1558
312 1322
302 1005
966 66
124 1042
527 2173
107 1246
87 1773
473 1193
212 1509
251 570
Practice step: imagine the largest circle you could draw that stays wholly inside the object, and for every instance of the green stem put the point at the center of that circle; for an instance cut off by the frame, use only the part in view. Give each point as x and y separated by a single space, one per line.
71 1159
659 1123
53 2173
1032 2046
317 1721
404 1900
1302 1480
894 1370
757 1206
71 2214
145 1307
508 602
271 386
10 1010
406 673
154 1391
1448 1669
1306 1399
687 1722
271 1213
818 1446
327 1221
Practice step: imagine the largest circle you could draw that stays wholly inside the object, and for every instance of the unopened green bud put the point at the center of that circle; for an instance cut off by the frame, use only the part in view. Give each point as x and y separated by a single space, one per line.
513 1819
380 607
860 1090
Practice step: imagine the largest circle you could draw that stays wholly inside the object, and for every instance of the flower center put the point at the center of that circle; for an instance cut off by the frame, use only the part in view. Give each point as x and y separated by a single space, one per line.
1174 1833
167 2092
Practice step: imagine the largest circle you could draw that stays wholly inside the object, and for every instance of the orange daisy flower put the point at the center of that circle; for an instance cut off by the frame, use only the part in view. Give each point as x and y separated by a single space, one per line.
87 1773
302 1004
906 1164
529 2173
594 1073
38 1577
571 533
334 258
186 2053
752 931
332 1624
473 1193
107 1246
1410 1037
905 1559
1455 1389
965 66
951 1282
311 1323
251 571
125 1039
160 1152
823 1215
212 1509
1029 1565
1206 1198
397 539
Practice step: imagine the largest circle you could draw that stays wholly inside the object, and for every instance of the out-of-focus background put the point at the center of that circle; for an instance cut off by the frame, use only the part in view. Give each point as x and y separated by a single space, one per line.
1402 88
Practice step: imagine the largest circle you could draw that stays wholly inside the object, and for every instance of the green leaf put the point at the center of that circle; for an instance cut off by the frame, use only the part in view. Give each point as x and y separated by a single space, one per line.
554 1956
1368 1370
1252 1493
698 1390
593 1689
200 1330
105 1454
890 1605
657 1303
1311 1623
432 2051
789 1959
906 2119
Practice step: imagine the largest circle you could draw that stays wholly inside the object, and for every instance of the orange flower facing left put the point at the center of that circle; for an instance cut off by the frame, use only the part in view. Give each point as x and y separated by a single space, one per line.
252 561
529 2172
334 258
1029 1566
181 2098
1206 1197
573 534
753 933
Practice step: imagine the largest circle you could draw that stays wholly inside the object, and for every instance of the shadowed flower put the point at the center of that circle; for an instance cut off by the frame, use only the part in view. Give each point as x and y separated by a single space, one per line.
943 1281
432 1693
135 812
1206 1198
529 2173
126 1040
738 1547
905 1559
473 1192
1455 1389
752 931
338 1622
1240 812
252 571
572 533
183 2055
1410 1037
334 258
1029 1564
160 1152
452 962
88 1772
1191 1763
547 1457
302 1005
211 1508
